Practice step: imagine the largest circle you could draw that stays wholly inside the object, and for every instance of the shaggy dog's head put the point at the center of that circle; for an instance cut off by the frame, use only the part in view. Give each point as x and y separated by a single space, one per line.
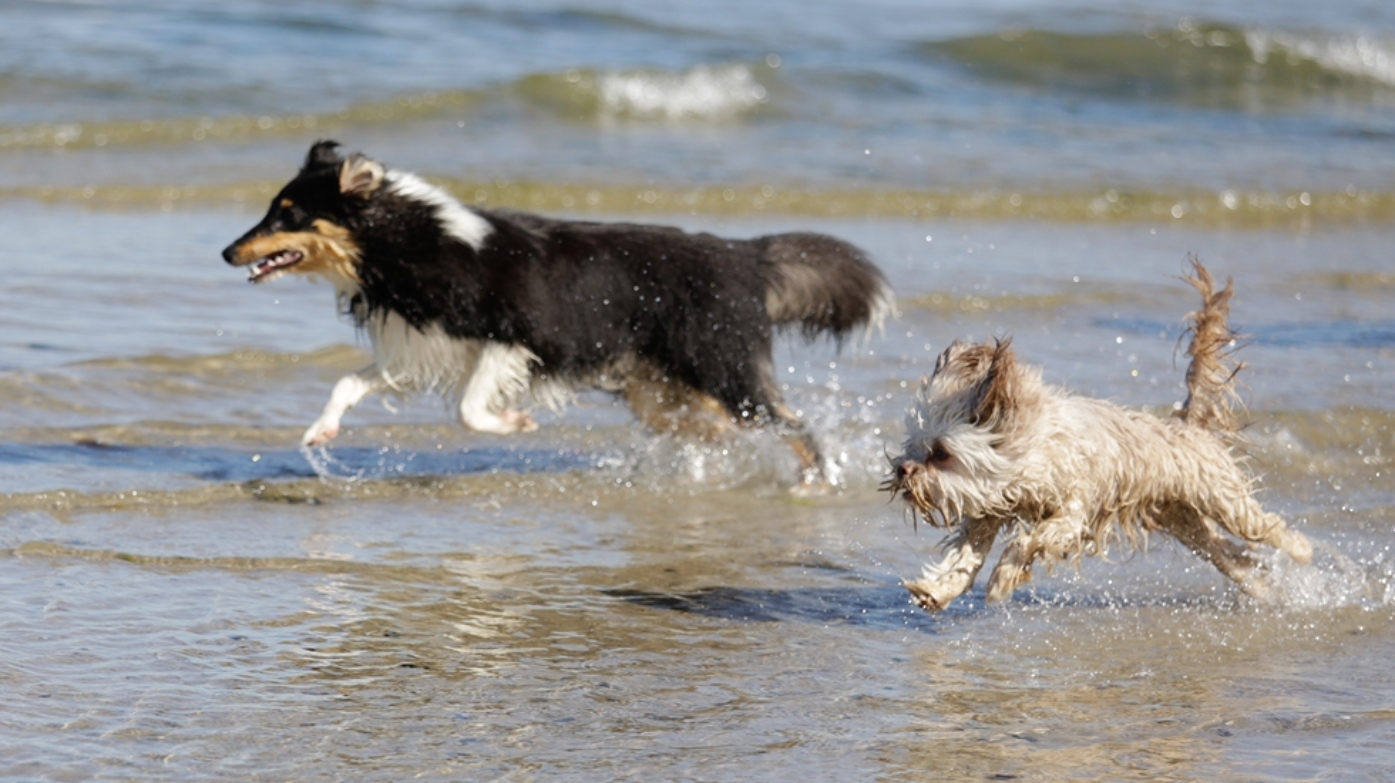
962 433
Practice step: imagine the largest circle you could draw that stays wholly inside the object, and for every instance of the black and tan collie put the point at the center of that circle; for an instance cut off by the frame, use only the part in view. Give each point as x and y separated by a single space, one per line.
485 306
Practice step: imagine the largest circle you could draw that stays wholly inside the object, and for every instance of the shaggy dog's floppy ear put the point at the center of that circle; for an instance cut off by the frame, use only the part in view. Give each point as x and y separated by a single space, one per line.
995 395
943 361
360 176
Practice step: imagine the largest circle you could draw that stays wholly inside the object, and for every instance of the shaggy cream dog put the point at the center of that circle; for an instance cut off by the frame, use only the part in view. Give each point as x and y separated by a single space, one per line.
991 448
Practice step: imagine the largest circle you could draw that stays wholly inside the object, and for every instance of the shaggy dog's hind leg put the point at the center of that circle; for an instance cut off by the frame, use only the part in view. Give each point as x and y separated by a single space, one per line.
1230 558
1242 516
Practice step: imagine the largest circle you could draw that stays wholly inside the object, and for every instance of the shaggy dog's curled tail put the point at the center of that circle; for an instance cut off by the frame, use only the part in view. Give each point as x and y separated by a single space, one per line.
823 285
1211 374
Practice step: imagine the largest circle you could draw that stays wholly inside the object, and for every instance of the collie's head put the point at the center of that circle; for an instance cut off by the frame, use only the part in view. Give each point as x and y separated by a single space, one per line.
964 434
321 222
309 227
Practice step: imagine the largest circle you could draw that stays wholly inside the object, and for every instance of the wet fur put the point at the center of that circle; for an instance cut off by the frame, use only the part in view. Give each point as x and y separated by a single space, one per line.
485 306
991 448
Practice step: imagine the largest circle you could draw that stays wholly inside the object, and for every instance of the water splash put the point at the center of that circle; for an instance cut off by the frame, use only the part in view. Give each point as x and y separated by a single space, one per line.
330 469
1333 580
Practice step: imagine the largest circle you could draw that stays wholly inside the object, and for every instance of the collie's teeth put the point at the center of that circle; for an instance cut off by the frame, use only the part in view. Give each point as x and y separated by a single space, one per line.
279 260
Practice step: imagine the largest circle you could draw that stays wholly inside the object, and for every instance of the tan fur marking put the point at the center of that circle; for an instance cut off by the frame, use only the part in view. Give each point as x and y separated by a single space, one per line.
329 251
671 406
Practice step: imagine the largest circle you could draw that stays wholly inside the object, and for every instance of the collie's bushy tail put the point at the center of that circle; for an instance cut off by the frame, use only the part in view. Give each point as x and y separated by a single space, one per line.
1211 374
823 285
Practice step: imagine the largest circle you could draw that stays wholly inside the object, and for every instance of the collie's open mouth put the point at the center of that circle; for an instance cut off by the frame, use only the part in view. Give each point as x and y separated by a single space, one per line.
259 269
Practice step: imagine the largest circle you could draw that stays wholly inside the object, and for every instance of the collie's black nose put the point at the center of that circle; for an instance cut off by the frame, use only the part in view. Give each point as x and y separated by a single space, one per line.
230 254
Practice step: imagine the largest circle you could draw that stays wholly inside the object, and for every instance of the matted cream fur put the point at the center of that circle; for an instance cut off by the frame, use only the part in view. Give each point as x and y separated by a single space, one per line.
991 448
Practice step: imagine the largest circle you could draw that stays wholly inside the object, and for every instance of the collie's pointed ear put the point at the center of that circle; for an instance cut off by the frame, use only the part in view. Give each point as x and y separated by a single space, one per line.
995 395
360 176
323 153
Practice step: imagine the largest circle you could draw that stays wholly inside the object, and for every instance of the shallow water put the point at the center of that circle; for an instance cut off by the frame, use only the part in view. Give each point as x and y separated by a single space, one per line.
188 595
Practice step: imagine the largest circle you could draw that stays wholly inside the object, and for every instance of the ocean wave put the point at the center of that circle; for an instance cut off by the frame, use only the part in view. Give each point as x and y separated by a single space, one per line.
1195 63
229 363
1227 208
155 131
951 302
592 21
704 92
1356 55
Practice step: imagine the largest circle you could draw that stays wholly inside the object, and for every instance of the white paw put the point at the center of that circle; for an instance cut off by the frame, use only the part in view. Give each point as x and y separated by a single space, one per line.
520 421
507 422
319 434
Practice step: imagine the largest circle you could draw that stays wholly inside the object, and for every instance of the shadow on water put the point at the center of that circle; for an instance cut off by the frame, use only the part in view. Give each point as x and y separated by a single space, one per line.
887 605
222 464
873 606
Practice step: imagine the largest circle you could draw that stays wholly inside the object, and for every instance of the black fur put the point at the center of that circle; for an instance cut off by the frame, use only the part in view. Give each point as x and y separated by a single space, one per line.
583 296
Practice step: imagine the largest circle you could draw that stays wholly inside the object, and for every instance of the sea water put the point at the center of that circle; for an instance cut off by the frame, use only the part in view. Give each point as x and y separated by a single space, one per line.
189 595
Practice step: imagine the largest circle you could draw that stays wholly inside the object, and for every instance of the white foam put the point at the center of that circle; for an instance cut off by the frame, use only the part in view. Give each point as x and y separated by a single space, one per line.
1358 55
703 92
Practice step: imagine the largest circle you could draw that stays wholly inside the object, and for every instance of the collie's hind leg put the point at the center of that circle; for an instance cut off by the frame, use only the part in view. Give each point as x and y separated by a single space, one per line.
806 448
348 392
668 406
955 574
753 400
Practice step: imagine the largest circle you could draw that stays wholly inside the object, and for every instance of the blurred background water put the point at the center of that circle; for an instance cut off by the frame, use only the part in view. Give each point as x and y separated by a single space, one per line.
187 595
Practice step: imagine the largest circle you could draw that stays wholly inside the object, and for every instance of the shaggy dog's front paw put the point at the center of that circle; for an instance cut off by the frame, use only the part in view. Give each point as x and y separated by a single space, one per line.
926 596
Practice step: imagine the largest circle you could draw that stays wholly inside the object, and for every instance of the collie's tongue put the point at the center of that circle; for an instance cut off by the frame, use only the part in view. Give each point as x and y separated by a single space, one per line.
265 266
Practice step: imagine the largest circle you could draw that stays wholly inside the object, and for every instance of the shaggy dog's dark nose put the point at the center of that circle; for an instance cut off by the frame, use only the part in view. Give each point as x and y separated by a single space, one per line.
908 468
230 254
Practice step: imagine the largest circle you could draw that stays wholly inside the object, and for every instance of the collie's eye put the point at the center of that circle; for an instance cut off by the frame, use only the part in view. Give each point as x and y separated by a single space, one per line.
938 454
287 215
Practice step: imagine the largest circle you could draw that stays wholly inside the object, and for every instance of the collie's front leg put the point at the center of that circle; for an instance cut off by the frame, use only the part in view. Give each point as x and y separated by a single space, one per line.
501 372
505 422
348 392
